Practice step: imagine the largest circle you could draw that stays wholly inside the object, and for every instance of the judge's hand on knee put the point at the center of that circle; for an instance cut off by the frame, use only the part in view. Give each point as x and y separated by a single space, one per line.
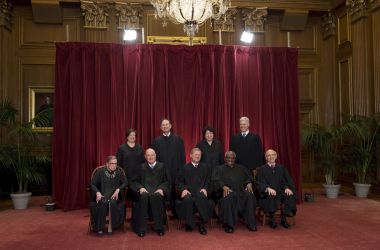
99 196
115 195
226 191
203 191
288 192
159 191
271 191
143 190
185 193
249 188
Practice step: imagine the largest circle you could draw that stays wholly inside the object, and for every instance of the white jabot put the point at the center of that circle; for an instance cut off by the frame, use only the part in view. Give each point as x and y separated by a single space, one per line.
152 165
166 135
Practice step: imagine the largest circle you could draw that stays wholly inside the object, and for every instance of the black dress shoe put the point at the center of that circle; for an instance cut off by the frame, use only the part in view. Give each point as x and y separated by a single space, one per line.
254 228
141 234
285 224
272 224
228 229
188 228
160 232
100 233
202 230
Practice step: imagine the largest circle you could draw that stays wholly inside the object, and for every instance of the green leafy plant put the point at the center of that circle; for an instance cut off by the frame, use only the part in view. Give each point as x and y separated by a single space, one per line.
361 133
16 153
324 143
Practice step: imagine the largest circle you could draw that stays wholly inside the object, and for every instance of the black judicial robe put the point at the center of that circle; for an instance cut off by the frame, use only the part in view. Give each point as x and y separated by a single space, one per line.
130 159
106 182
240 200
194 179
151 180
277 178
212 154
249 150
170 150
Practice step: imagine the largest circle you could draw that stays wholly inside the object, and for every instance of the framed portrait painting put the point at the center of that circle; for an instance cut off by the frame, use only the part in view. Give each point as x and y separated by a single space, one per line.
41 104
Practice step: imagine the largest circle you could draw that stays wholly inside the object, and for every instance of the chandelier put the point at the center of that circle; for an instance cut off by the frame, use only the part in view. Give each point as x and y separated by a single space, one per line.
191 13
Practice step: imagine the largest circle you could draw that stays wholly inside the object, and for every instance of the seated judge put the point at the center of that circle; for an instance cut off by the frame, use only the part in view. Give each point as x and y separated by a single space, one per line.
193 184
150 189
233 185
276 186
107 183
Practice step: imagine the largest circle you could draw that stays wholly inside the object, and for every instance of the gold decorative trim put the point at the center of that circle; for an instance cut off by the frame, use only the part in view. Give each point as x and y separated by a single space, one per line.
38 101
328 25
374 4
254 20
6 14
176 40
226 22
357 9
95 14
128 16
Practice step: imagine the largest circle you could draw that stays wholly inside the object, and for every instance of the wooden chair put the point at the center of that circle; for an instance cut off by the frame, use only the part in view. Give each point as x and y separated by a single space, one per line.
91 198
279 212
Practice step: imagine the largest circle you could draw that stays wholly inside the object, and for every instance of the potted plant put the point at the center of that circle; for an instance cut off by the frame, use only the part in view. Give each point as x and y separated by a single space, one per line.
361 133
50 204
324 143
16 153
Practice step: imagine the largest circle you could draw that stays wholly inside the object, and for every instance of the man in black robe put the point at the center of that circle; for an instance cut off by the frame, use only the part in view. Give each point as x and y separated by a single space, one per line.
107 183
150 188
170 150
233 185
275 186
193 184
247 146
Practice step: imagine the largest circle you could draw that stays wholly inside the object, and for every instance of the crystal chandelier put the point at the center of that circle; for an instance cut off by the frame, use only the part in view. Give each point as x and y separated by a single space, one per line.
191 13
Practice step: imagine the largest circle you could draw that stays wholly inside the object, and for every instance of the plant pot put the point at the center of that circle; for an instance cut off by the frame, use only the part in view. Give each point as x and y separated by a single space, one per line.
332 191
50 206
20 200
361 189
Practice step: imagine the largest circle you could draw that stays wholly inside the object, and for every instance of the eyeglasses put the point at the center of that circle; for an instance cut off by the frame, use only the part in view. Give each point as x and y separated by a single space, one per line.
112 163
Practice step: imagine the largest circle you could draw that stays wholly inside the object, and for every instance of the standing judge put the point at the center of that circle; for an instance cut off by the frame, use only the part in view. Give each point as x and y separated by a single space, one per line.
150 188
170 150
233 185
193 184
212 151
107 183
130 155
276 186
247 146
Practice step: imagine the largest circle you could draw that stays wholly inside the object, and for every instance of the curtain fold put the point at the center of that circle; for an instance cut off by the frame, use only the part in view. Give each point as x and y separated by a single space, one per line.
104 89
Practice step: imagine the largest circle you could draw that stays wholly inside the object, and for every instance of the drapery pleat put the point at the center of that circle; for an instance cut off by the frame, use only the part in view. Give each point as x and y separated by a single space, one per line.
104 89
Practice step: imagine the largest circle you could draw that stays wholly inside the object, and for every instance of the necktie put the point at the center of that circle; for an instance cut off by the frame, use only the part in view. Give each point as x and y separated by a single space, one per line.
244 135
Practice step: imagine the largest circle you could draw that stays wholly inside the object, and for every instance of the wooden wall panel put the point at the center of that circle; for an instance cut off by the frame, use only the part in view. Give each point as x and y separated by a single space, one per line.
33 34
376 58
306 40
344 31
361 80
345 86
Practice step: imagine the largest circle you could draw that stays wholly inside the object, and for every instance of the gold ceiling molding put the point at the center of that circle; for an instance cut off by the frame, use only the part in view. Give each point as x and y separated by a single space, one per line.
328 25
374 4
357 9
254 19
226 22
128 16
6 14
95 14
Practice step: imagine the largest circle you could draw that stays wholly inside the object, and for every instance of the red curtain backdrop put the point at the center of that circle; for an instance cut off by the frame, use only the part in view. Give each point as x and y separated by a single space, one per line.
104 89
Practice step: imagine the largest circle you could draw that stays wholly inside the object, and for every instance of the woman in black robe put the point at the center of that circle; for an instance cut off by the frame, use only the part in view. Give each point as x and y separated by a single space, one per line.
212 151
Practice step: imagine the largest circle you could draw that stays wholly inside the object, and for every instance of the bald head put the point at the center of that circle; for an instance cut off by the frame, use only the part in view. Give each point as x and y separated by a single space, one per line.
271 156
150 155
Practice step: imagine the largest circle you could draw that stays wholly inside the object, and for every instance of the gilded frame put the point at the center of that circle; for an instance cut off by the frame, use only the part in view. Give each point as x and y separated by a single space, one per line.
39 98
176 40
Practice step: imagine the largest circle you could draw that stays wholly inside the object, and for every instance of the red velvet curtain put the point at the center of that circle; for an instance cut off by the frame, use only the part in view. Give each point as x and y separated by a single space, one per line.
104 89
